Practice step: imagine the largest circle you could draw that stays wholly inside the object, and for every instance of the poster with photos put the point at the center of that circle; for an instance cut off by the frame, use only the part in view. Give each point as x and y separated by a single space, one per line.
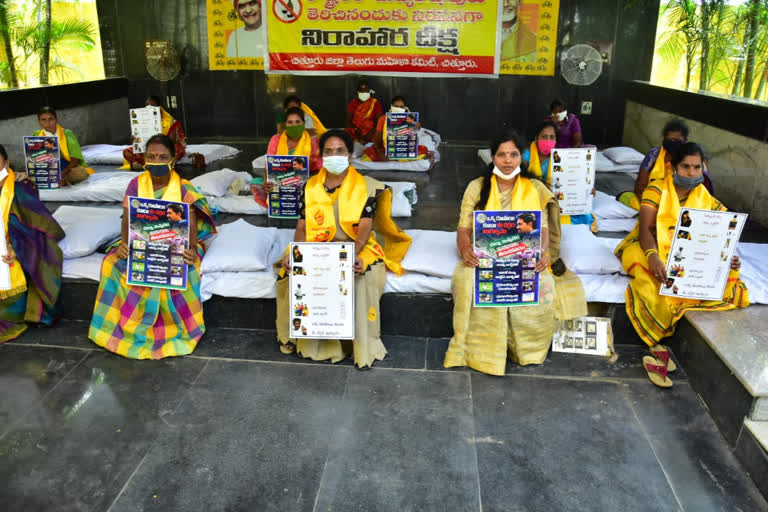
699 260
322 288
43 161
158 235
572 173
145 122
287 174
402 138
507 245
588 335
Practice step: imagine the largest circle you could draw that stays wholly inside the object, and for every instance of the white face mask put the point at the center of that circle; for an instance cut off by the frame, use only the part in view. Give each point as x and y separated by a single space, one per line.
364 96
398 110
562 115
498 172
335 164
3 174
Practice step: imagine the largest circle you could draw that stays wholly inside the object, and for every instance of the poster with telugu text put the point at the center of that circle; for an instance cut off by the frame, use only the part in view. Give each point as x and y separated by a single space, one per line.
588 335
237 34
43 161
322 287
402 138
699 259
528 37
158 235
287 174
572 174
507 245
395 37
145 123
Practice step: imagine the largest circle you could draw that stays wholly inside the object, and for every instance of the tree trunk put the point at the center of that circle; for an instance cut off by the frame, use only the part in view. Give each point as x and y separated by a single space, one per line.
689 56
704 66
750 40
45 39
761 83
6 35
739 78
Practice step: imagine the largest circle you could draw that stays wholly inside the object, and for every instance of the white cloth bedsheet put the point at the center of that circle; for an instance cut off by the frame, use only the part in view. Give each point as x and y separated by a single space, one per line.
607 207
87 267
109 154
616 225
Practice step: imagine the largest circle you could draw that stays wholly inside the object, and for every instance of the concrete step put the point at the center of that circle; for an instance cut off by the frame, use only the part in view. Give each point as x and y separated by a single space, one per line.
752 451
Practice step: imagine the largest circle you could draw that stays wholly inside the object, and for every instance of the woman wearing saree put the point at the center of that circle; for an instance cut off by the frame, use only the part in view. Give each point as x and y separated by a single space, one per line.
378 152
172 129
339 204
644 252
312 123
362 114
296 140
32 254
73 166
484 336
538 165
142 322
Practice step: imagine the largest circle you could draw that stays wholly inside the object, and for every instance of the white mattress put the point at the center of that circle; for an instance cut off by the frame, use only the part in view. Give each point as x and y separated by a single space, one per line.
108 154
616 225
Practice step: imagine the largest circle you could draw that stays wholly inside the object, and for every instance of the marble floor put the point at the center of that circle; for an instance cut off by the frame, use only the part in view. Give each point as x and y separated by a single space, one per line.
239 426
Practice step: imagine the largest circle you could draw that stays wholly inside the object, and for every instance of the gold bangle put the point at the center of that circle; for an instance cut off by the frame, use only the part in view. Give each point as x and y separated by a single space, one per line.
651 251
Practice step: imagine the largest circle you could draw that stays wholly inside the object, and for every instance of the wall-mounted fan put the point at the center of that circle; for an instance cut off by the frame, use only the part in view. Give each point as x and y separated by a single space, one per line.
161 60
581 64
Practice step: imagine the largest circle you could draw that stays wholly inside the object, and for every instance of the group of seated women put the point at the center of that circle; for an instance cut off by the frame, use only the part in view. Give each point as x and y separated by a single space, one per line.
340 204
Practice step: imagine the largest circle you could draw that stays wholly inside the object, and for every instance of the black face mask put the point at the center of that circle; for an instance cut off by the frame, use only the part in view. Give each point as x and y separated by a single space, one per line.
671 145
158 170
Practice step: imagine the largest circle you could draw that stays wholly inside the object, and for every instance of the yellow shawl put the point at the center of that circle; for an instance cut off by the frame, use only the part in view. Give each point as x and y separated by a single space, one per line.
63 146
172 190
303 146
352 196
524 195
669 210
319 127
659 171
534 165
18 281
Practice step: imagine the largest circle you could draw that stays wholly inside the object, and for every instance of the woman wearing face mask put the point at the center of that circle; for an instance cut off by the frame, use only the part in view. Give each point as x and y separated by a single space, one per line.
644 252
362 113
539 154
73 166
296 140
656 165
151 323
312 123
484 336
568 126
377 152
338 204
32 254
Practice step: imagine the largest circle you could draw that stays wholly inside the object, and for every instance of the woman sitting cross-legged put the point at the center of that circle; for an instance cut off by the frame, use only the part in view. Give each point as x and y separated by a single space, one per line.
339 204
645 251
32 254
142 322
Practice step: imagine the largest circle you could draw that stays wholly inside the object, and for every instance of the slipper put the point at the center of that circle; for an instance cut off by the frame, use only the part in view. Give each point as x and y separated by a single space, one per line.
287 348
662 353
657 371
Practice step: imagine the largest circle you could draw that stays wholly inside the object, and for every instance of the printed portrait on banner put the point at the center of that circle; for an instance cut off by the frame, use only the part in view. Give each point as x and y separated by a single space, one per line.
528 42
237 34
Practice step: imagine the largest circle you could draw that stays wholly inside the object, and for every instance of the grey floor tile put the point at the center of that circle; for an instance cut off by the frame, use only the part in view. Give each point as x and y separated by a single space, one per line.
249 436
436 348
27 373
404 352
76 449
66 333
704 472
554 444
403 442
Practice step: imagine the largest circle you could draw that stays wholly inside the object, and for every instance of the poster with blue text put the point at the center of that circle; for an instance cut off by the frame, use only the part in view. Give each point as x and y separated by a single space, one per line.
158 235
287 174
507 245
401 137
43 161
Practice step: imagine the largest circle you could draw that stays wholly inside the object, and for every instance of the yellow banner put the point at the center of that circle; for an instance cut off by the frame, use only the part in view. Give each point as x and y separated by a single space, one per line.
429 37
528 37
237 35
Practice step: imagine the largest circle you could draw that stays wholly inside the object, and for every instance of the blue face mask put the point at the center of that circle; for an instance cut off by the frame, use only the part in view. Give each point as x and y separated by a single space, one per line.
158 170
687 183
671 145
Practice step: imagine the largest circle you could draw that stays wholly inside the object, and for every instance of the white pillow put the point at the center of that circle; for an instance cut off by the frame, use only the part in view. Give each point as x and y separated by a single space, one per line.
87 267
605 288
616 225
607 207
624 155
86 228
239 247
243 285
412 282
583 253
403 197
215 183
433 253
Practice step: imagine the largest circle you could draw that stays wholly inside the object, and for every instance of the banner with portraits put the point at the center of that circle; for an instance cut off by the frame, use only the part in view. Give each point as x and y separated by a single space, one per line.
395 37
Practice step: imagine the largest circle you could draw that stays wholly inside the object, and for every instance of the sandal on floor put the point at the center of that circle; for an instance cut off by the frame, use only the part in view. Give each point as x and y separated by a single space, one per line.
662 353
287 348
657 371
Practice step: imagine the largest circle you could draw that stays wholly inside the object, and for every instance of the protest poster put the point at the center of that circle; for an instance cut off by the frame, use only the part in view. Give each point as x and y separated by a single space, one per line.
528 42
43 161
145 122
572 173
589 335
237 33
401 136
508 245
287 174
322 287
699 259
158 235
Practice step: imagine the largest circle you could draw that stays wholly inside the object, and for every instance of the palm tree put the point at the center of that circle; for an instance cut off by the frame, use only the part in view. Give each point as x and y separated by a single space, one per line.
7 20
684 38
45 39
